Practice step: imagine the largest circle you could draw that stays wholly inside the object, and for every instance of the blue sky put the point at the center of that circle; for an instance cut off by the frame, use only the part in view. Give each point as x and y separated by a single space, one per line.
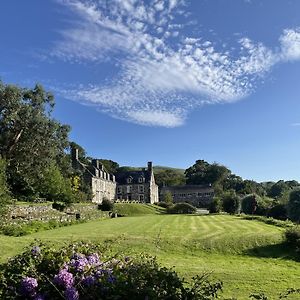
170 81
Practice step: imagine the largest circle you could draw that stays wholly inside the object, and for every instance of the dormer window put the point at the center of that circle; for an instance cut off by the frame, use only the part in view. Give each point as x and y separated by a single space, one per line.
141 179
129 180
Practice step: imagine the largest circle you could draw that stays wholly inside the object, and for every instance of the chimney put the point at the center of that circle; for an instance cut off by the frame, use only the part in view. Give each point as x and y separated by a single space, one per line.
74 154
150 166
96 163
74 157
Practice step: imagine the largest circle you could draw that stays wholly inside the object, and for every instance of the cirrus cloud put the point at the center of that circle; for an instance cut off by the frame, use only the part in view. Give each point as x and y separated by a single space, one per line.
162 74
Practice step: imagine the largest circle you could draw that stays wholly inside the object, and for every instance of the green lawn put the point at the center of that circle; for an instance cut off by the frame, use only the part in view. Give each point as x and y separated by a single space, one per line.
246 255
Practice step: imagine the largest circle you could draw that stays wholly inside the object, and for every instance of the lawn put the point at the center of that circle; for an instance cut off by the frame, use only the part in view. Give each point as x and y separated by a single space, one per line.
246 255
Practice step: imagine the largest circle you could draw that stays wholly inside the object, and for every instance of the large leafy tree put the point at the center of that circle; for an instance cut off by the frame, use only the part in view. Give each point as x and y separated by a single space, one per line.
294 205
4 191
30 139
169 177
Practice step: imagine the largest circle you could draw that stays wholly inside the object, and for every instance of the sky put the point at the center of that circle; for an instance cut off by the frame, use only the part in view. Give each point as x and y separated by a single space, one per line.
168 81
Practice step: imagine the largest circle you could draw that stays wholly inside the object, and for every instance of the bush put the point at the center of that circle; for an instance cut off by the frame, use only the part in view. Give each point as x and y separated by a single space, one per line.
294 206
106 205
181 208
249 204
215 206
59 206
292 236
278 211
84 271
163 204
231 203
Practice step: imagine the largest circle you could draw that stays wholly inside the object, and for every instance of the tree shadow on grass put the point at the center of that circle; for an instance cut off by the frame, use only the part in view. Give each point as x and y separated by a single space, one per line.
282 250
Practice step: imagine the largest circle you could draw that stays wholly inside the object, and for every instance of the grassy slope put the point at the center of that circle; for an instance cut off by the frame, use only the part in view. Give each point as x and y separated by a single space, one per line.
133 209
222 244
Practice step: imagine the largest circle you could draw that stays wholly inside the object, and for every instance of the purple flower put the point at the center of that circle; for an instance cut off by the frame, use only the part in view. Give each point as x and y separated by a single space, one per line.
89 280
64 278
35 251
28 285
39 297
93 259
111 279
79 264
71 294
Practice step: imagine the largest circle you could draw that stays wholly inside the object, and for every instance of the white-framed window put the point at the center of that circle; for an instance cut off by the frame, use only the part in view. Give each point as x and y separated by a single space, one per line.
141 179
141 198
129 180
141 189
129 188
119 190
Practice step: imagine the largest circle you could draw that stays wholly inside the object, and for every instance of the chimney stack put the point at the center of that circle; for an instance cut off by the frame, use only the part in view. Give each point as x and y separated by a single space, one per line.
96 163
150 166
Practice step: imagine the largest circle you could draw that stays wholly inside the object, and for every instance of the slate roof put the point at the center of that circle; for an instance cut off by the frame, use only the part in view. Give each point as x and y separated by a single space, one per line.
121 177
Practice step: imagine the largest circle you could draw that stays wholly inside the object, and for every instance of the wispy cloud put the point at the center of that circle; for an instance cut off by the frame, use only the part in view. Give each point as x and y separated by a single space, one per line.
295 124
162 74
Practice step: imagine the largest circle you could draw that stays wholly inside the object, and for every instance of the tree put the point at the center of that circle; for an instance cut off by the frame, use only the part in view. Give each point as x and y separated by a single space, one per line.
215 206
249 204
169 177
30 138
168 198
231 202
294 206
54 187
204 173
4 191
278 189
110 165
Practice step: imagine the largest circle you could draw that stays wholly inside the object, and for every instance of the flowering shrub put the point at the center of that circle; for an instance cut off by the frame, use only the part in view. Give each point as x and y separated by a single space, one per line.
82 271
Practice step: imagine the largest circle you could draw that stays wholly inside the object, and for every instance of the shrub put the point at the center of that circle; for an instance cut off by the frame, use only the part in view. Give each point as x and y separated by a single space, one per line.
84 271
59 206
163 204
181 208
106 205
215 206
292 236
249 204
231 203
278 211
294 205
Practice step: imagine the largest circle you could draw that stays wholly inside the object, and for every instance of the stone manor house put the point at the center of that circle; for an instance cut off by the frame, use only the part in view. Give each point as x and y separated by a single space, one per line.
130 185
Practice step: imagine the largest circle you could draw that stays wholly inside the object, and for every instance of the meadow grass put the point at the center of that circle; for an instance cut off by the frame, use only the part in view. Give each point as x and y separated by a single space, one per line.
246 255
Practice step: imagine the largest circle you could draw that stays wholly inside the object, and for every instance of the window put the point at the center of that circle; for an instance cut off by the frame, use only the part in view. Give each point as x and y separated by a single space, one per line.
141 198
129 180
119 190
129 188
141 179
141 189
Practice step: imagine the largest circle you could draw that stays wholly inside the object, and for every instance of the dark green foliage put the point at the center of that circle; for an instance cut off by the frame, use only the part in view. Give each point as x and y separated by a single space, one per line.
168 198
215 206
116 277
169 177
278 189
231 203
163 204
249 204
181 208
59 206
278 211
204 173
30 139
54 187
292 236
106 205
4 192
294 206
110 165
